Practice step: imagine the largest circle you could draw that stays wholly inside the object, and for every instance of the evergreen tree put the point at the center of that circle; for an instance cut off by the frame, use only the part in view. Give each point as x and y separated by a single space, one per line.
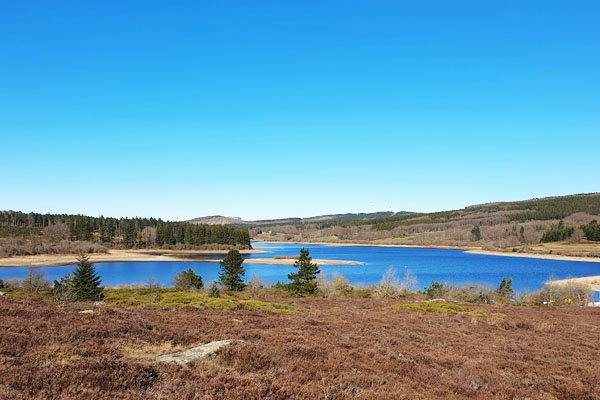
86 284
232 271
305 280
476 234
505 289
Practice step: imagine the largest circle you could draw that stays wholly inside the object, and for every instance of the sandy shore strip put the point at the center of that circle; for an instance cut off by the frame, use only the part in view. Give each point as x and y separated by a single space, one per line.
535 255
466 249
156 255
291 261
593 281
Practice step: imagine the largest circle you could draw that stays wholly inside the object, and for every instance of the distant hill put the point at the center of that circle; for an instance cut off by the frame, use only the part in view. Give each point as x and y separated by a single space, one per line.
217 220
330 218
517 226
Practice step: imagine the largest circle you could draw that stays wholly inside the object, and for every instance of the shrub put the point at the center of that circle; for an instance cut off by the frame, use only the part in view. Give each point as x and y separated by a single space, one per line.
64 290
436 290
565 293
214 291
187 280
438 307
1 284
336 288
471 294
35 282
392 287
255 286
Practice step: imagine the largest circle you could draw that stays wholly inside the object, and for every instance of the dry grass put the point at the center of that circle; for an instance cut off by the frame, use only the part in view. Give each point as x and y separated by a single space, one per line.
332 349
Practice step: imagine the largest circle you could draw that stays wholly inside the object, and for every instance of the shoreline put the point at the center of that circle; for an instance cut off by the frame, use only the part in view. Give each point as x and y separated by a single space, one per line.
466 249
155 255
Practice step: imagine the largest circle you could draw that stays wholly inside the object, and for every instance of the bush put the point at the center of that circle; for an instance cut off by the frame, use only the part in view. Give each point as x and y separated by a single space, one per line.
1 284
567 293
390 286
187 280
63 290
436 290
255 286
470 294
336 288
214 291
35 282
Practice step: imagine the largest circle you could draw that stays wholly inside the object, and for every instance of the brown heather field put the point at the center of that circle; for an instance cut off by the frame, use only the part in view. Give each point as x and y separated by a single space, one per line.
330 349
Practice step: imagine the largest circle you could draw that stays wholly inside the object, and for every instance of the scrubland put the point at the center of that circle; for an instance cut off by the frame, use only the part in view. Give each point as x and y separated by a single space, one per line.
324 348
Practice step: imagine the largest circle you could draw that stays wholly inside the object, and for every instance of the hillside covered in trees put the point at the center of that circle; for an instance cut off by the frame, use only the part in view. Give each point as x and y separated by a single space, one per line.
33 233
516 226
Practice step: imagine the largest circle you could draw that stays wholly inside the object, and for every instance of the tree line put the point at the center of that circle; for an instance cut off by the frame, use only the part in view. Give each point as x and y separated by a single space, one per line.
127 232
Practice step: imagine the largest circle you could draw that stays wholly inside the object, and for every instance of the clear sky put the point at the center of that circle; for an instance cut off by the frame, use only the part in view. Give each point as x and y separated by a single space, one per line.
263 109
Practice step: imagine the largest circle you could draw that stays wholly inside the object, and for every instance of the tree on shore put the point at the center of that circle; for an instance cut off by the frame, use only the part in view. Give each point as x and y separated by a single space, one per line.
85 281
232 271
305 280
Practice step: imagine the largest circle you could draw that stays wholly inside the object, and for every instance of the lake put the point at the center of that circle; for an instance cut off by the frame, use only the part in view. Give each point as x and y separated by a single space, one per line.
451 266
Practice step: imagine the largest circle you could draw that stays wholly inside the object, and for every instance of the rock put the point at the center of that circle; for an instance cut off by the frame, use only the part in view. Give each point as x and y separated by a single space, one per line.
194 353
86 312
2 293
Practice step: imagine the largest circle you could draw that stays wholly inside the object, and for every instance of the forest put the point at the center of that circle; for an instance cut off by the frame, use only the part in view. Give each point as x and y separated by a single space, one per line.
19 230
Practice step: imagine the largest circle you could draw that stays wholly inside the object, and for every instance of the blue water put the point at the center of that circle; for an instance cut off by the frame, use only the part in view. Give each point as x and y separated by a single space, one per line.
450 266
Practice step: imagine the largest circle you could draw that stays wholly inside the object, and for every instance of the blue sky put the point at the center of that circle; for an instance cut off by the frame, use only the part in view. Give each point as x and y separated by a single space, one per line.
178 109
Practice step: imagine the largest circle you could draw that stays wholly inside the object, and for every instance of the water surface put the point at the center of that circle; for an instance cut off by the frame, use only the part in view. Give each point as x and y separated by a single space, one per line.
451 266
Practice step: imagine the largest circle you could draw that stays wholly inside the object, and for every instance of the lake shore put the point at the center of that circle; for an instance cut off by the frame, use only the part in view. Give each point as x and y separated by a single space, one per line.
46 260
592 281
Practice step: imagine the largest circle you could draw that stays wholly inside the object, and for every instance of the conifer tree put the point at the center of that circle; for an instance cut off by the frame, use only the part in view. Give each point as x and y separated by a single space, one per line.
305 280
232 271
86 284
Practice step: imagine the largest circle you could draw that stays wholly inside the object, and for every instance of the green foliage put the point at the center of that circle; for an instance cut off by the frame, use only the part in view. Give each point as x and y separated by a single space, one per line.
174 298
304 281
214 291
187 280
438 307
592 231
505 289
476 234
1 284
127 232
85 282
557 233
232 271
436 290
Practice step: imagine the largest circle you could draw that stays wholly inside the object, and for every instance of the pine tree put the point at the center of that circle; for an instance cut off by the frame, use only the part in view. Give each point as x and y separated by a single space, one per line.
232 271
86 284
305 280
505 289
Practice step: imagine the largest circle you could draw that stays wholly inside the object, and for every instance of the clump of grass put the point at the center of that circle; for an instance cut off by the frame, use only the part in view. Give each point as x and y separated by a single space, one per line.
439 307
197 299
